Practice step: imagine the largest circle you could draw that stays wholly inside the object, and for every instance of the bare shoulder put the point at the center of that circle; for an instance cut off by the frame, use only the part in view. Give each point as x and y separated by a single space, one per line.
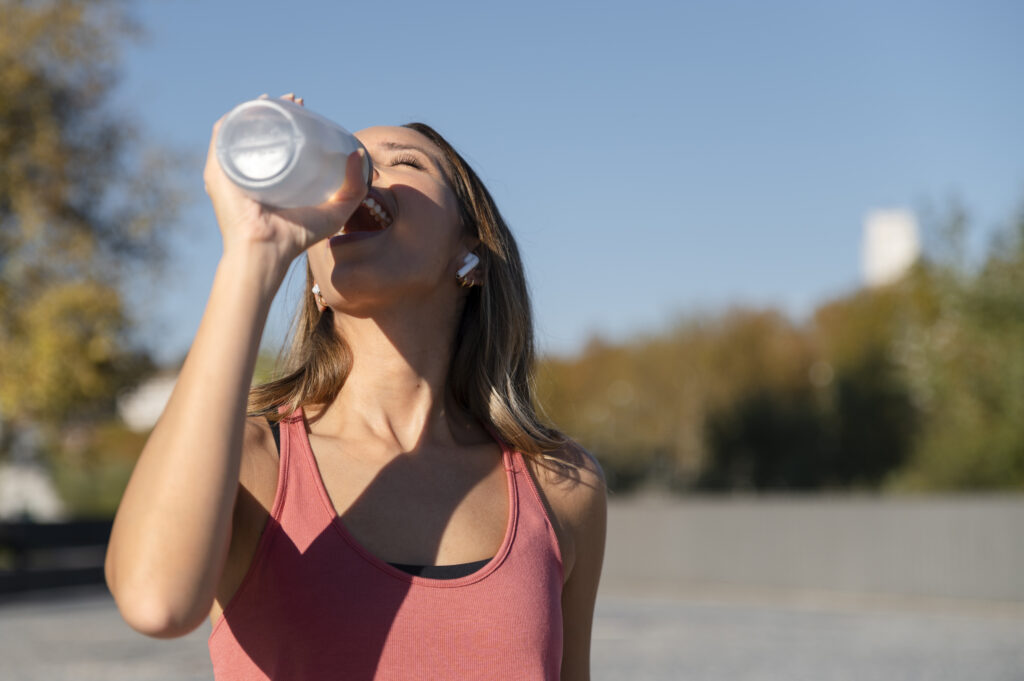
258 473
576 486
574 490
257 487
572 477
258 434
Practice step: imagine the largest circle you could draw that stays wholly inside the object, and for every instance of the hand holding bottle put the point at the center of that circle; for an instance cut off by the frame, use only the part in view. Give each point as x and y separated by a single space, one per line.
173 529
282 233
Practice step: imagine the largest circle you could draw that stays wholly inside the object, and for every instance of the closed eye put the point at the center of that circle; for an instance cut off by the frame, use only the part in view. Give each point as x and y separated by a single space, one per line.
406 160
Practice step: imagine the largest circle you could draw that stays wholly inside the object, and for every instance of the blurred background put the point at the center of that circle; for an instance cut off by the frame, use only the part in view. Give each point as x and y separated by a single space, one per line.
776 253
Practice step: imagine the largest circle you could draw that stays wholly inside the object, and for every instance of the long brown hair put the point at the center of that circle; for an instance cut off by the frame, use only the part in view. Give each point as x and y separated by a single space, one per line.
492 363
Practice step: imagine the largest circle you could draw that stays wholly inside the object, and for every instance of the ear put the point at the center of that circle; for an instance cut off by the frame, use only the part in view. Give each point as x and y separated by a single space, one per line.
318 298
470 273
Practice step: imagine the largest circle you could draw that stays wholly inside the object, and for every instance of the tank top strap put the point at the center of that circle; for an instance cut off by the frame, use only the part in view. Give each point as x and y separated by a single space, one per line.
532 514
301 508
508 454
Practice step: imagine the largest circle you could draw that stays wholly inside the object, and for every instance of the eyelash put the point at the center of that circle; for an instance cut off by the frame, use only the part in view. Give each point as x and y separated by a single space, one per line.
407 160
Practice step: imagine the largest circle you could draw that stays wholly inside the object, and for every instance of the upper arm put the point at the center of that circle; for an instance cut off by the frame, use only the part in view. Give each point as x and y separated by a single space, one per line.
582 507
255 494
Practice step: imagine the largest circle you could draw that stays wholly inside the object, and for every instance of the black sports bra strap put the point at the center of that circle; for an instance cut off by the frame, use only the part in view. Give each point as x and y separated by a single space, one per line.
275 428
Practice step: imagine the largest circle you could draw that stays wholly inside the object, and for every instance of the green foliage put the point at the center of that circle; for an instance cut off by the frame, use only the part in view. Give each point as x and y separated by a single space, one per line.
642 408
81 208
766 441
264 370
915 386
964 363
63 353
91 466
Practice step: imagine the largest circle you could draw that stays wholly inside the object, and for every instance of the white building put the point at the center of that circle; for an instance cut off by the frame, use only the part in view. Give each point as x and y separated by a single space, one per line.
891 246
141 407
26 490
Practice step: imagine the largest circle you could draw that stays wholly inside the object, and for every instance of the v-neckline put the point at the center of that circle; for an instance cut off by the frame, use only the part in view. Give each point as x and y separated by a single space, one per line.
508 458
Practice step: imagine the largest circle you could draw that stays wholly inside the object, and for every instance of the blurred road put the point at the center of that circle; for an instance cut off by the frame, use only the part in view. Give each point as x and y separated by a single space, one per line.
700 636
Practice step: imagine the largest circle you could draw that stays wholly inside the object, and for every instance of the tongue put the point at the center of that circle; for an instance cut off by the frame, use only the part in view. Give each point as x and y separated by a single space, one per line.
362 221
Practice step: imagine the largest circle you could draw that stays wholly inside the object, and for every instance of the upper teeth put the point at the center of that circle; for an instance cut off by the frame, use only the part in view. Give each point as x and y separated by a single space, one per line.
377 211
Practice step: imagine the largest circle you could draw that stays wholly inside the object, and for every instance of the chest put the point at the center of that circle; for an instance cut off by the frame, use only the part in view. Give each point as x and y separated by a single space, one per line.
404 511
415 509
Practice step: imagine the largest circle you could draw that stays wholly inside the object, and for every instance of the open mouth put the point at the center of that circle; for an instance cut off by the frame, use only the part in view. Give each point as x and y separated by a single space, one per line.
371 216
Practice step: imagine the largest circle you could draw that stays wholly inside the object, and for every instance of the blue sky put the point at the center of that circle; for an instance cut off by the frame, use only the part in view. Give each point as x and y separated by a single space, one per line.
654 159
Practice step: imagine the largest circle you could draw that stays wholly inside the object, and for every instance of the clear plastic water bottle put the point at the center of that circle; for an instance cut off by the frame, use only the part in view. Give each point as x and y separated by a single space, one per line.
284 155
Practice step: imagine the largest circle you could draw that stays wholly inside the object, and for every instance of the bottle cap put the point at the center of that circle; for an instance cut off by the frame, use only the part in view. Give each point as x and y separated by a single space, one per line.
258 141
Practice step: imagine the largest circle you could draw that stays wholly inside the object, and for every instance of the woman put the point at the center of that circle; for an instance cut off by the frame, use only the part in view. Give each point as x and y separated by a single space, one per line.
392 507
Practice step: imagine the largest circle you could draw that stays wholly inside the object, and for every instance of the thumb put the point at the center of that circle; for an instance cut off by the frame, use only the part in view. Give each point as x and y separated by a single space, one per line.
343 203
354 187
327 218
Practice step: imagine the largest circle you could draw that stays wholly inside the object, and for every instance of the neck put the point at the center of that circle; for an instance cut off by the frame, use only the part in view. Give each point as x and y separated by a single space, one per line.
396 392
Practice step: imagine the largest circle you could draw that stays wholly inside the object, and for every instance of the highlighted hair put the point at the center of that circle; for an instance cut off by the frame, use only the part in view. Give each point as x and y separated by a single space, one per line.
493 354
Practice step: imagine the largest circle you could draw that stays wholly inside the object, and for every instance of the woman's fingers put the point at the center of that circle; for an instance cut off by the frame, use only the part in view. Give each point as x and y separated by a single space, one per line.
326 219
212 171
297 228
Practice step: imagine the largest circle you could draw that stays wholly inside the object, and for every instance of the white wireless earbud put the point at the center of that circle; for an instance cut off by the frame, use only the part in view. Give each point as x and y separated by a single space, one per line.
471 260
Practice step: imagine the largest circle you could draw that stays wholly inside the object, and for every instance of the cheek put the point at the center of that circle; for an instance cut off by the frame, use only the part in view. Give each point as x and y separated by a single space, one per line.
434 213
449 208
319 256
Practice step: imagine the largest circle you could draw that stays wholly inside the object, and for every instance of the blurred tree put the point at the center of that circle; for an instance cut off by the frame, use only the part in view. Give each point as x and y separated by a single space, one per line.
766 430
266 367
94 465
767 440
840 417
81 206
963 357
643 407
867 410
915 385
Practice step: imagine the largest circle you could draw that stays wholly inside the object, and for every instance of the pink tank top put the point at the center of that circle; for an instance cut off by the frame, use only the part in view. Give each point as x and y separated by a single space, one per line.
316 605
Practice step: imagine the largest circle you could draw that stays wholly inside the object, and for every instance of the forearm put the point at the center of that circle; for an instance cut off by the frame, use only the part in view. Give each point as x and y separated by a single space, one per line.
173 527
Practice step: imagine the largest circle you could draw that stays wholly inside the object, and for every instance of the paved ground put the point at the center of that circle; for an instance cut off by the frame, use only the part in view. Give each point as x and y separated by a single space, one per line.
735 639
717 636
